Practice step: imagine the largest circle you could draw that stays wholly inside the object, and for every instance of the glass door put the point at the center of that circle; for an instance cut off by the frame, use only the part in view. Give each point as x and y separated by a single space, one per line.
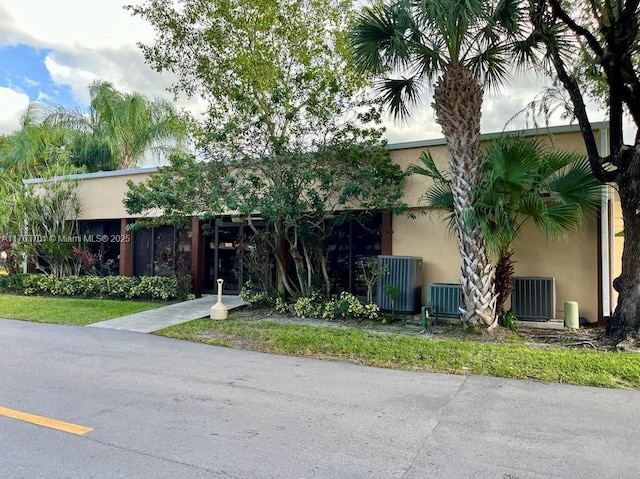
224 258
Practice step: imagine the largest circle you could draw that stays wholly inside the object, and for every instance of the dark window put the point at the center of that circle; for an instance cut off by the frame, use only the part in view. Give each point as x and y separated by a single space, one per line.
143 252
161 251
102 240
351 243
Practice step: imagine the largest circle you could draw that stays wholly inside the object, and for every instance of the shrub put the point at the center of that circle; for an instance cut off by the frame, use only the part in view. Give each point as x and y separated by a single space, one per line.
109 287
12 283
508 320
343 307
117 287
257 298
157 287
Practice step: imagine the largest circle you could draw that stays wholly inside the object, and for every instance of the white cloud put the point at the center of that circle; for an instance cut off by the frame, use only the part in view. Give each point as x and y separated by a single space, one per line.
124 67
14 104
30 82
86 23
44 97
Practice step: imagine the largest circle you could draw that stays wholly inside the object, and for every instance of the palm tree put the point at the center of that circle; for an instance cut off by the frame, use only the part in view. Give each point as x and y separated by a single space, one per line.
521 182
119 127
28 151
462 46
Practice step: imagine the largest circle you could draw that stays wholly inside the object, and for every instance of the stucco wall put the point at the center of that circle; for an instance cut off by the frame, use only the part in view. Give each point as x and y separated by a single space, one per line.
101 196
573 262
618 241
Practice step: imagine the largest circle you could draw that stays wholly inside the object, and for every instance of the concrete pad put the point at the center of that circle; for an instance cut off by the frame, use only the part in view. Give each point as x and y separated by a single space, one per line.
551 324
177 313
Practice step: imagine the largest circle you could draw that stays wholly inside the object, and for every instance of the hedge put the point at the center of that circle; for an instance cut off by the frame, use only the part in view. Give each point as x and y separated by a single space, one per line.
108 287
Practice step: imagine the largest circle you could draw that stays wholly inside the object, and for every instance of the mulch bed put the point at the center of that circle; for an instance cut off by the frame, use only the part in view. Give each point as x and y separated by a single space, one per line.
590 337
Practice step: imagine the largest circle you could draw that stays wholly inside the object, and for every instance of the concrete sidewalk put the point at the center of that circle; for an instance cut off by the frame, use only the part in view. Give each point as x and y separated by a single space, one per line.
160 318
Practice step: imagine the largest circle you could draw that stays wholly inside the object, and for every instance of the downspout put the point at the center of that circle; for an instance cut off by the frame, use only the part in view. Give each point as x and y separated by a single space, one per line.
606 228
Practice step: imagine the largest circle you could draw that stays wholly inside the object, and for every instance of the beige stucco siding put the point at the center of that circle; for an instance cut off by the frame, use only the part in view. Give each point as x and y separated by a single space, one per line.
101 197
618 241
573 262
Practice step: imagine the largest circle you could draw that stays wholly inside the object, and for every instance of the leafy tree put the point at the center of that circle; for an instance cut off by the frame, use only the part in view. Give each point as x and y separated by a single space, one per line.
522 182
289 132
302 200
276 75
592 50
40 220
460 47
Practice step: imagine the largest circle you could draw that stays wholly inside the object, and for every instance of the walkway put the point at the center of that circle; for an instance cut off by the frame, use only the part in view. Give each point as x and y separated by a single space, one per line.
163 317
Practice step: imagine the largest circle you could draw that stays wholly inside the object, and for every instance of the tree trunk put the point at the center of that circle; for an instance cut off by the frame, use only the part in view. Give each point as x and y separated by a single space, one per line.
503 280
457 103
625 323
298 261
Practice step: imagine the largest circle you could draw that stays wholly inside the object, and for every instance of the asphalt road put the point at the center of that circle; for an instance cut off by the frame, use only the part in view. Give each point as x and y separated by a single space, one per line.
162 408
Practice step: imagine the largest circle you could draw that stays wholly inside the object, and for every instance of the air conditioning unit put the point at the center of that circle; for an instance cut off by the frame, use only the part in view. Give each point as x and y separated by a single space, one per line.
534 298
403 273
446 298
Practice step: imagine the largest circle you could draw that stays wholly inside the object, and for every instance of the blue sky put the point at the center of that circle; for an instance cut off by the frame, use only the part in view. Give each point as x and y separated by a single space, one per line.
22 68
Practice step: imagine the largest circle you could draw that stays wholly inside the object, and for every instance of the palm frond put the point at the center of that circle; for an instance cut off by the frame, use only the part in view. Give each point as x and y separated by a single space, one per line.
430 59
380 38
513 160
399 95
508 16
490 64
428 169
439 197
577 185
527 51
562 220
555 162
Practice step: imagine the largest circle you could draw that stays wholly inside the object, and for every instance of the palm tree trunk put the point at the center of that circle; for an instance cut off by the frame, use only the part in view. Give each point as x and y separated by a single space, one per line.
504 279
457 103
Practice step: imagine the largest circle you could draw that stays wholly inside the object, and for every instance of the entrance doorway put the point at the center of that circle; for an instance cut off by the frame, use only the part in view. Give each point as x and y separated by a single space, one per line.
224 257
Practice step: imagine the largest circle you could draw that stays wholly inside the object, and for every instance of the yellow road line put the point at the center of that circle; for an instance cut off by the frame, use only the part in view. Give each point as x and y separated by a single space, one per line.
45 421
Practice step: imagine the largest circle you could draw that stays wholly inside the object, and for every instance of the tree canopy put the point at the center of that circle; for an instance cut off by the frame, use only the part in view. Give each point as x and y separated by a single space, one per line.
289 135
275 75
592 50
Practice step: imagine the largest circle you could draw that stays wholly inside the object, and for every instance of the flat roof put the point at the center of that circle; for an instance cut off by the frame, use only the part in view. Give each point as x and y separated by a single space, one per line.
97 174
549 130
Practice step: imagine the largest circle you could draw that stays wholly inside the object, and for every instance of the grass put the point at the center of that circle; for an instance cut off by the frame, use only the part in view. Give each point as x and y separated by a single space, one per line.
416 353
78 312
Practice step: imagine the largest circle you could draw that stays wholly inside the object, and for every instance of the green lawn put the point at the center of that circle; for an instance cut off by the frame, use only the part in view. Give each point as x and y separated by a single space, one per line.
73 311
417 353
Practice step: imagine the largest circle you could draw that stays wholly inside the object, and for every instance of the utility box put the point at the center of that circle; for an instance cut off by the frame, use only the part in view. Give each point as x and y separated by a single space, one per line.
534 298
401 275
446 298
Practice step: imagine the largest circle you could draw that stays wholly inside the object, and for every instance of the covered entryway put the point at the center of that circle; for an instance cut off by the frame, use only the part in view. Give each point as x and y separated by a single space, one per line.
225 255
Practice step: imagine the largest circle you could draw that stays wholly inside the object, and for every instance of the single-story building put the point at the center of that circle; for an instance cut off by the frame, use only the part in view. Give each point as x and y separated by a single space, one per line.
582 267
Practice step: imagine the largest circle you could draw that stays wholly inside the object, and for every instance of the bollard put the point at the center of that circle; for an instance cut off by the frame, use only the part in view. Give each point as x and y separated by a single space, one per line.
219 311
571 317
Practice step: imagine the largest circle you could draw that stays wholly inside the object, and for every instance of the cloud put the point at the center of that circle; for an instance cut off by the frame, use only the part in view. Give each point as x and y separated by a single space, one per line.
124 67
30 82
91 24
14 104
